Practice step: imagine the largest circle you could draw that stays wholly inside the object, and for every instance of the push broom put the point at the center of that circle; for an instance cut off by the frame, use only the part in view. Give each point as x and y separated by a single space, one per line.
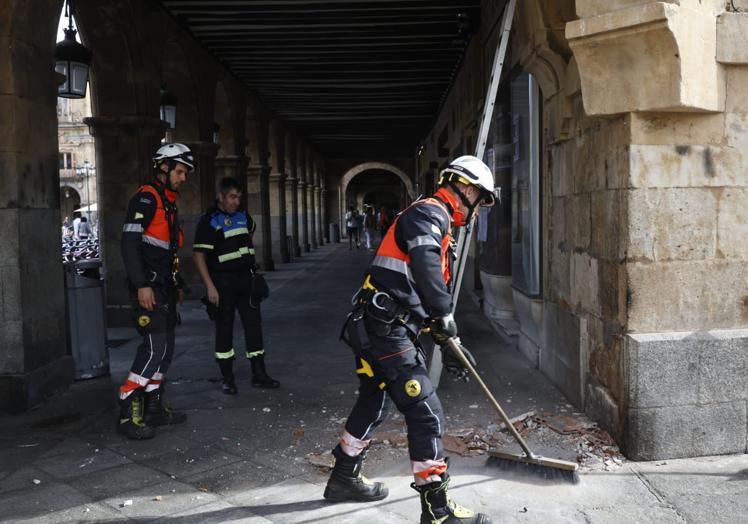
548 468
529 461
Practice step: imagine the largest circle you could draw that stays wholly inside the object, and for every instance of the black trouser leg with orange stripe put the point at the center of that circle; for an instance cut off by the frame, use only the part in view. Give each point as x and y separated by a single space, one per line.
141 396
399 377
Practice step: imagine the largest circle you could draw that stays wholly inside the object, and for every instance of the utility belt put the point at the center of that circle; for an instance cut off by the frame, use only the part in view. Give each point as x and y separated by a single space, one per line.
377 312
380 306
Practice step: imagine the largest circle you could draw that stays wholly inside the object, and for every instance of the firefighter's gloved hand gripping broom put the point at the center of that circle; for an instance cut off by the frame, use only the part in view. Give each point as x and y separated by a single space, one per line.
546 467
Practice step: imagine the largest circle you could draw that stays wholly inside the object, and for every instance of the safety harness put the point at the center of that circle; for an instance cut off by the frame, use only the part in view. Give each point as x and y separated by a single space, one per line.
170 213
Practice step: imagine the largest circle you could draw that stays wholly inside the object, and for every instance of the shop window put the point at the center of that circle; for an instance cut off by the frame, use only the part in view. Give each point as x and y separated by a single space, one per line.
525 136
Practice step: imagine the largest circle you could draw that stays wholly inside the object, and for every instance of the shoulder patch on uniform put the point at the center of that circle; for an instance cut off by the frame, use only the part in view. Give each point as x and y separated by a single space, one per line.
138 215
435 229
145 200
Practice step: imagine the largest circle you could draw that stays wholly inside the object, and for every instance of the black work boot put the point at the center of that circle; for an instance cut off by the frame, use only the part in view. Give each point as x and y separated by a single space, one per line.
228 385
260 377
131 423
438 508
346 482
157 413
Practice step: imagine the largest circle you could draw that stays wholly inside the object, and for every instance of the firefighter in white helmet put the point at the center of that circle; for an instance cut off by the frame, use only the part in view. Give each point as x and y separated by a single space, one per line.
151 236
406 289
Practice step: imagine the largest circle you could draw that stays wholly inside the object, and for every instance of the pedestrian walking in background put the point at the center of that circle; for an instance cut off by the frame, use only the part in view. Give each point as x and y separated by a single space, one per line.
76 226
84 229
383 221
370 225
351 227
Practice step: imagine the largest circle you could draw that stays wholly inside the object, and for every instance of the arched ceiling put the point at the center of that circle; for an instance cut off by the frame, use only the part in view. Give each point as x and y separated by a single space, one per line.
355 78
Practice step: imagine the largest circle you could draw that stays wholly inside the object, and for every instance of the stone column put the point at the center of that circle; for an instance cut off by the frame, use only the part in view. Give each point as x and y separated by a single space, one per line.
231 165
304 216
199 191
278 215
196 195
292 209
312 215
258 205
120 175
33 355
318 214
665 277
325 217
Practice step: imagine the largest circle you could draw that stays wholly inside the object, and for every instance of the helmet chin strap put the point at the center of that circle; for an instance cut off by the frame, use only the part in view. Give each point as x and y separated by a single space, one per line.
170 164
470 205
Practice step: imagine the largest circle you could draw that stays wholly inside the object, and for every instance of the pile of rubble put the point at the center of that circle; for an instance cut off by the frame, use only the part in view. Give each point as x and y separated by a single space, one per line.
595 448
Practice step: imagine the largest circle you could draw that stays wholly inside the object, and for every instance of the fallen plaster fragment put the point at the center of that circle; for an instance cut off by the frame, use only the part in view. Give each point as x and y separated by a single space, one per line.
321 460
128 502
36 481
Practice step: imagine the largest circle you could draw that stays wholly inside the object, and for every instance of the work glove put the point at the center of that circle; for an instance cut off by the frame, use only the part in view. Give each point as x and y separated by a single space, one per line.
454 365
442 328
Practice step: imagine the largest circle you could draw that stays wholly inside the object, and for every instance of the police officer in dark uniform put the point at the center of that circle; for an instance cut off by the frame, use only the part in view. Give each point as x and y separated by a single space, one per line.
407 288
151 236
225 258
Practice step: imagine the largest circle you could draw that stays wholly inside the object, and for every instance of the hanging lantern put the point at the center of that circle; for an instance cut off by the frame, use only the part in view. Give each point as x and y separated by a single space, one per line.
216 134
168 109
72 60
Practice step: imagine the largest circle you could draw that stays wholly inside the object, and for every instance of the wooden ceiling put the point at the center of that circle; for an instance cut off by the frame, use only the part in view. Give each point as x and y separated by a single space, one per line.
354 78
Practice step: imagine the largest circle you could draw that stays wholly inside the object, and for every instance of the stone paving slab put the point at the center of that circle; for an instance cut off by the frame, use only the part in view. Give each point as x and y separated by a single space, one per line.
216 512
38 501
174 496
110 483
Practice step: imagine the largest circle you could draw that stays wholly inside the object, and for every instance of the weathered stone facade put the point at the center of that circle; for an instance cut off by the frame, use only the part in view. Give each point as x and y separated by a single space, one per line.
642 314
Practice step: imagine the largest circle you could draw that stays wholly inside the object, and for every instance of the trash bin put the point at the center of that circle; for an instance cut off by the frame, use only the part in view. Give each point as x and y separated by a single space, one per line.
84 301
334 230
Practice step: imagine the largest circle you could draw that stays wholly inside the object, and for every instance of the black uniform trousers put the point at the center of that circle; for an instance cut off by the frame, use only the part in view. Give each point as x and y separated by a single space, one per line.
155 352
234 293
396 375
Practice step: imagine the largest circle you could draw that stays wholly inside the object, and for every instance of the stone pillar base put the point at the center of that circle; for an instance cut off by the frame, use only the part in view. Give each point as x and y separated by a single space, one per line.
688 394
19 393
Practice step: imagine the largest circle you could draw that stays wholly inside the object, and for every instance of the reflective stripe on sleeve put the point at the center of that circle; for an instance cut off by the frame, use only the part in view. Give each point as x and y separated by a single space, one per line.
423 240
155 242
253 354
235 232
132 228
202 246
393 264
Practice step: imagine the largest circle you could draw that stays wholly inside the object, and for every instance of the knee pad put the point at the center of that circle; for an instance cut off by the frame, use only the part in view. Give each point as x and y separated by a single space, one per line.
411 386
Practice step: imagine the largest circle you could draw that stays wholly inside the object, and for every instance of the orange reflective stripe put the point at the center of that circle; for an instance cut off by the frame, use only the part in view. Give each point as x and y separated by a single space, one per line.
389 248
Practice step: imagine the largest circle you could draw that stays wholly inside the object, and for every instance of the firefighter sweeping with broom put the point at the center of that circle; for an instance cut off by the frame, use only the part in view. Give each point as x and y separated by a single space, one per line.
405 290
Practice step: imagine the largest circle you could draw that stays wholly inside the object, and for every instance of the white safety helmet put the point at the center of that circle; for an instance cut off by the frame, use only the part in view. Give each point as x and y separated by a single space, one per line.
174 153
470 170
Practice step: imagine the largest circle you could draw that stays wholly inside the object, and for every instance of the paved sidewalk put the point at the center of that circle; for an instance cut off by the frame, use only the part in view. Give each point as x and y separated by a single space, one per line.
245 458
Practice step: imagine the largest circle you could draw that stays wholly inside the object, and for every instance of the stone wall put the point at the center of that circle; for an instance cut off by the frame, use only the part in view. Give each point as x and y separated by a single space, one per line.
645 283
